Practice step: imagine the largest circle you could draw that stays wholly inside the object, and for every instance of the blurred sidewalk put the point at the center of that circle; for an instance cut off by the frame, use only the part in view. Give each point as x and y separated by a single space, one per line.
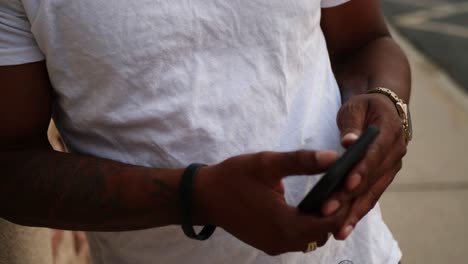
438 28
426 206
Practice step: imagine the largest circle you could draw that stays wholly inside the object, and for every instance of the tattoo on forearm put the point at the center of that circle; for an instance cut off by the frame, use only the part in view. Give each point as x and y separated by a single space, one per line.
93 192
164 193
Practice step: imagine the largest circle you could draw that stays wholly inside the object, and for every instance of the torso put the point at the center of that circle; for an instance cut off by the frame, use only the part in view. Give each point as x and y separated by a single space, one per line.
167 83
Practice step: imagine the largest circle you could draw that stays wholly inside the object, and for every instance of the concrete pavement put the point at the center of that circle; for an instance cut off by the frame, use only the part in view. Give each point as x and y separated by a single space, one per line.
426 207
439 28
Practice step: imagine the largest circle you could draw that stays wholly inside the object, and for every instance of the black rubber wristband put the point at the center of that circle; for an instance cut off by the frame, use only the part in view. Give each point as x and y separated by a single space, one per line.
186 184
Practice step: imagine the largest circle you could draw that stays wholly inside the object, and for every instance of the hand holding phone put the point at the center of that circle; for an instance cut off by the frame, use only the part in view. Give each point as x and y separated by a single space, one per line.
313 201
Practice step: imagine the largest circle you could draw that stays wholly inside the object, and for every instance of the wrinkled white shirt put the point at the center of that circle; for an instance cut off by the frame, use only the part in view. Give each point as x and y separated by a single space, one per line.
168 83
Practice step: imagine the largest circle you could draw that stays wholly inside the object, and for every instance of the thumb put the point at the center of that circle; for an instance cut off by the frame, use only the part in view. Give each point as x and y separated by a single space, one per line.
351 121
302 162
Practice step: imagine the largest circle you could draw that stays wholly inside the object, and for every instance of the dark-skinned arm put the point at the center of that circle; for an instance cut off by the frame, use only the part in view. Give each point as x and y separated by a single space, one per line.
41 187
362 51
364 56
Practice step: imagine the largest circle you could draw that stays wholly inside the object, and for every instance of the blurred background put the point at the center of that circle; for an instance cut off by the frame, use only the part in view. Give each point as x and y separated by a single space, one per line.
425 206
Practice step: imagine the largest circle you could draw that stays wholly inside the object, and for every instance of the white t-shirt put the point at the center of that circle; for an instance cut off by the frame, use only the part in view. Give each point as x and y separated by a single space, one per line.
167 83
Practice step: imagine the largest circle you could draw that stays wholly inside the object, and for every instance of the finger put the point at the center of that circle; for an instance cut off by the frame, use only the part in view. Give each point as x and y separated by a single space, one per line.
345 195
351 121
358 180
390 130
380 156
373 162
311 228
394 158
301 162
363 204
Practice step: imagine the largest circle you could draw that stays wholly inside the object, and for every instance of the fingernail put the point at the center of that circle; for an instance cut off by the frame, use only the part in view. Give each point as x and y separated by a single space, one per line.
348 230
350 137
331 207
354 181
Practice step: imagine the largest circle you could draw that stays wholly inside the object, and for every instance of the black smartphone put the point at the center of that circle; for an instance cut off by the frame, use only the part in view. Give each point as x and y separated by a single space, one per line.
334 177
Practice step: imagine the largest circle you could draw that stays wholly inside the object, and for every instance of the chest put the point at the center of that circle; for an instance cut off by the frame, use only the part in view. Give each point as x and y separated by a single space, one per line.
101 25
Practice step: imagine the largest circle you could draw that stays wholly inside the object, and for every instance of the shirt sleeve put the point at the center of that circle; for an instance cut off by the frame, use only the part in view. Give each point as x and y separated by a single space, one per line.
332 3
17 43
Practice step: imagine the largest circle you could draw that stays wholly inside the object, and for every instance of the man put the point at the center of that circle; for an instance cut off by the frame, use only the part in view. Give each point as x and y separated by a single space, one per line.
141 89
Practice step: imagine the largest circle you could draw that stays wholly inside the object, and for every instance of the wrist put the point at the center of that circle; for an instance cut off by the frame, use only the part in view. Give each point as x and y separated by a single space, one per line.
201 197
163 194
401 107
190 205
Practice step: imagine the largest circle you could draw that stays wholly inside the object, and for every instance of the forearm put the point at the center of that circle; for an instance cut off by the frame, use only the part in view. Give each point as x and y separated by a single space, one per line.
76 192
380 63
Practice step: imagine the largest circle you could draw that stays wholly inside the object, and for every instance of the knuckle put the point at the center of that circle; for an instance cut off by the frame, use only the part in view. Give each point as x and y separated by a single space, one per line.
350 108
376 152
373 199
263 159
345 196
399 166
360 210
372 169
365 171
336 224
358 215
336 221
339 222
354 107
371 179
341 114
390 176
301 157
403 151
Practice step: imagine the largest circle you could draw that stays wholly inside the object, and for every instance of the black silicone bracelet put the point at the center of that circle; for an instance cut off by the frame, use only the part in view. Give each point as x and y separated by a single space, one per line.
186 205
